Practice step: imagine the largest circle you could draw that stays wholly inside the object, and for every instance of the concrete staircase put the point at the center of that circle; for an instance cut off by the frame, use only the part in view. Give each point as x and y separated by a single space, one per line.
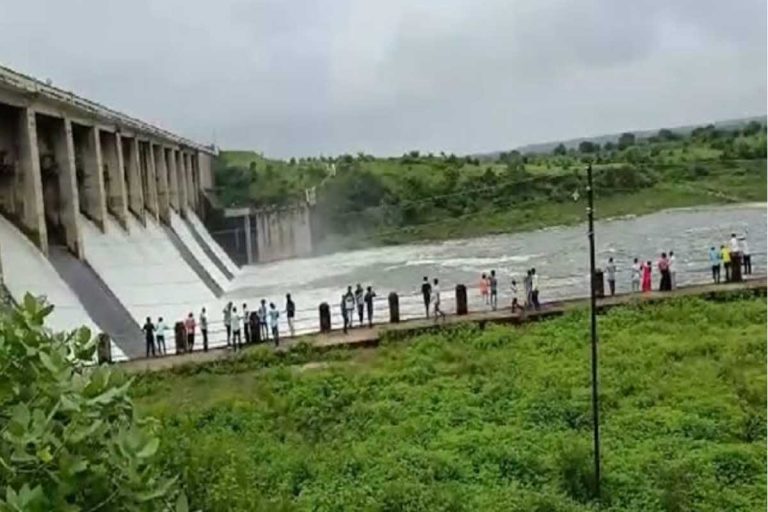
101 304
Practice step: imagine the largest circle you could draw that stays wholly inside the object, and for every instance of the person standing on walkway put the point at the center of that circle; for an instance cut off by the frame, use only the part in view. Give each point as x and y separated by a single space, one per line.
535 289
745 256
237 320
513 290
274 315
436 301
647 276
493 284
725 256
369 296
246 324
714 262
360 303
734 244
189 328
204 328
636 270
610 270
672 271
527 288
663 266
228 322
160 337
290 313
349 306
343 307
263 320
484 289
149 336
426 294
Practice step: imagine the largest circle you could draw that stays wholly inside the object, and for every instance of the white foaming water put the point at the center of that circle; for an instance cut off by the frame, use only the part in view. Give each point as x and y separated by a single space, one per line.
27 270
145 271
188 239
559 255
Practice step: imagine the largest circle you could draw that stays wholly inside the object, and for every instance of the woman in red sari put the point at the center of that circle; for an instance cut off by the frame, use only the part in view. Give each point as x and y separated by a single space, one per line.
646 276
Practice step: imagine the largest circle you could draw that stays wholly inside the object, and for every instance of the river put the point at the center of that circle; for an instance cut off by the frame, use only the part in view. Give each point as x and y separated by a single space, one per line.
559 254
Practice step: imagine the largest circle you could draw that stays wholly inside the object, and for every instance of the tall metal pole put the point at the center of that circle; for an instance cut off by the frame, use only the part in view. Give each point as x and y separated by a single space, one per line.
593 320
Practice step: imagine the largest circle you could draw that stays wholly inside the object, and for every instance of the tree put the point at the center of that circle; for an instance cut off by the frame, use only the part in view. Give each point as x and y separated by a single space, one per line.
559 149
626 140
753 128
71 439
665 134
609 146
587 147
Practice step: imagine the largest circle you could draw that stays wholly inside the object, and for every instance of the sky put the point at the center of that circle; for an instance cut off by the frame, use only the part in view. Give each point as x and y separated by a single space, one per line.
311 77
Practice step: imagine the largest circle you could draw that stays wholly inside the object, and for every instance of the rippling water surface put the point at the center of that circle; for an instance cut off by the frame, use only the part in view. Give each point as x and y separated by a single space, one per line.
559 255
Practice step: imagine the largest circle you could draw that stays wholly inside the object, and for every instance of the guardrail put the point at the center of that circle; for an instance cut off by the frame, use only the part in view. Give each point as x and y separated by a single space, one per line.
411 306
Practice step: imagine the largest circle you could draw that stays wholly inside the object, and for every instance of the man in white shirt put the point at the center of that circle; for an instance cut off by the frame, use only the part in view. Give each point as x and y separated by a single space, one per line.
745 256
237 321
535 288
636 275
734 244
436 300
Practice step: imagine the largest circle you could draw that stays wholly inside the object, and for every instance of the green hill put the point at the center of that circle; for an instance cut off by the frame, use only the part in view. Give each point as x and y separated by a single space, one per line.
363 200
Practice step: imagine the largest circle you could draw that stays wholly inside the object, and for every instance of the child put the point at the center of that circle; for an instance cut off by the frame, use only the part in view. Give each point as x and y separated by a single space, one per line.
484 288
515 305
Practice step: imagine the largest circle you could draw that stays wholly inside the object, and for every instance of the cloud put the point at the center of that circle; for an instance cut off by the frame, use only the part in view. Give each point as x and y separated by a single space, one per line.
330 76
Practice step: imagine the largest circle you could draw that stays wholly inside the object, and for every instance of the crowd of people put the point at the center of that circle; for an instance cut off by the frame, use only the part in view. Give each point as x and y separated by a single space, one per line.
246 327
241 327
489 291
358 301
737 249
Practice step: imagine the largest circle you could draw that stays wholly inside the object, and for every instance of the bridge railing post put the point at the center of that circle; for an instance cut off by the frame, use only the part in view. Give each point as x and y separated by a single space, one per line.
394 308
461 299
325 317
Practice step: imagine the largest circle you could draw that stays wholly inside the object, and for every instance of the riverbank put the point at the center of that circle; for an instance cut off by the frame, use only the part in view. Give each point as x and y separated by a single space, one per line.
538 215
483 419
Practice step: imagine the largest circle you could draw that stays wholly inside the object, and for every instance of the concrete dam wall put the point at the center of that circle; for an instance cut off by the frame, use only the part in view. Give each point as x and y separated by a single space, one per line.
264 235
98 214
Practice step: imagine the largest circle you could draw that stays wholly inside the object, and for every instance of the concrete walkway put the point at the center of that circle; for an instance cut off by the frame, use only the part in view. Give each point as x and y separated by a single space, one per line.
370 337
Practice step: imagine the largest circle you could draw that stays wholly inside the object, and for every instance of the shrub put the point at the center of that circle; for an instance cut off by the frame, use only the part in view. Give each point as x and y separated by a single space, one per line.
70 437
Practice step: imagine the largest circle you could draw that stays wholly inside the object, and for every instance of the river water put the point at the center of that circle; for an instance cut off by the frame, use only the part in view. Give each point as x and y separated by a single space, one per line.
559 254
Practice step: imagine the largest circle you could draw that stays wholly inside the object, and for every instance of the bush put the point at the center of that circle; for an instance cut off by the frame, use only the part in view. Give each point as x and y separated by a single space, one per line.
71 439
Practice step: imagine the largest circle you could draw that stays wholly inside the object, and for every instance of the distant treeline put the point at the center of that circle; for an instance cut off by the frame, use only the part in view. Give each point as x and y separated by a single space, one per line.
361 193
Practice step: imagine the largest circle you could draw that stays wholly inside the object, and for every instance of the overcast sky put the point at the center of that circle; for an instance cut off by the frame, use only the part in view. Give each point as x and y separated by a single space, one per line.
302 77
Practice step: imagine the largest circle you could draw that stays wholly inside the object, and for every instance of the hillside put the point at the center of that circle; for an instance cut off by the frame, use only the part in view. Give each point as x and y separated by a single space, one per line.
547 147
365 200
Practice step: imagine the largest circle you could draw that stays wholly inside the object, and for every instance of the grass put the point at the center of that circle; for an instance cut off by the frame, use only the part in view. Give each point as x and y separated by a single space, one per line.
484 420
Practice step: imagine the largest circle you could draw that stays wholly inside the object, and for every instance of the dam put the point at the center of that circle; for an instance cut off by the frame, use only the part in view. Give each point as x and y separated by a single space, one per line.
101 214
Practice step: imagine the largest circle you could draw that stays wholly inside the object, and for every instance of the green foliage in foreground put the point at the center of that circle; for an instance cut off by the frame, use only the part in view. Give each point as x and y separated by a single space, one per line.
498 419
69 440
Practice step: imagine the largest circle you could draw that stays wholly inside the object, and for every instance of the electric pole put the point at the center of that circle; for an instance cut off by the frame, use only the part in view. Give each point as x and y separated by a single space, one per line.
593 320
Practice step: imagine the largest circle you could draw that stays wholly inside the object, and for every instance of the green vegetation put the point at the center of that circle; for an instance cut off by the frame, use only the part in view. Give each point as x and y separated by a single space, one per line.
69 440
495 419
363 200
